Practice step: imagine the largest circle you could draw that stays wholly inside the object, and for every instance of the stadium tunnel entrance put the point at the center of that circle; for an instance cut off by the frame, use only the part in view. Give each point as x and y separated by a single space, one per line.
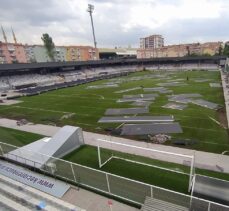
211 189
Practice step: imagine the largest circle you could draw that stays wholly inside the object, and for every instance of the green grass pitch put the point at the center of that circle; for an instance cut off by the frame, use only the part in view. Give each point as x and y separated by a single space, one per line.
88 105
16 137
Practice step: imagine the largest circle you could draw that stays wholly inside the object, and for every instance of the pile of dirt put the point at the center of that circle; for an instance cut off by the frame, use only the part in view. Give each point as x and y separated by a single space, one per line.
222 117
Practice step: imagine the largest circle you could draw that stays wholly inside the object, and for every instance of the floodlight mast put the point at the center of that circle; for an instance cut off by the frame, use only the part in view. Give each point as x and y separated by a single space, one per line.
90 10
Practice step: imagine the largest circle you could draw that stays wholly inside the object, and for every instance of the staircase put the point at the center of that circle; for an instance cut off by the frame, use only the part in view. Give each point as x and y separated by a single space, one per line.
152 204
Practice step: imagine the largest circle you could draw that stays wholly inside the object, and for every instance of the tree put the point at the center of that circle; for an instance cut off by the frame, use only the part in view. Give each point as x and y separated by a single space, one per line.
194 54
206 54
49 45
226 49
220 50
15 61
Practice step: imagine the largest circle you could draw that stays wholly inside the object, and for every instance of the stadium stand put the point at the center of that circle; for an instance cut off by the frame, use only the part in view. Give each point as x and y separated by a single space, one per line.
35 78
4 84
40 89
16 196
37 83
183 67
152 204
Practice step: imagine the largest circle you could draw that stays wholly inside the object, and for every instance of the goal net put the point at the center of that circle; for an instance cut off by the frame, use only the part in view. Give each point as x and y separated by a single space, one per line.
161 161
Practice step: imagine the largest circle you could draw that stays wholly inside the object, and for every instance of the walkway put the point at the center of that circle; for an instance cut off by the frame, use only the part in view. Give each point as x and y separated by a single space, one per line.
225 85
74 199
94 202
205 160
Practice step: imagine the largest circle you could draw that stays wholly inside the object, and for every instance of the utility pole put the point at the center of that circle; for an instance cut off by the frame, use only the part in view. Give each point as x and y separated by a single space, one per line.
90 10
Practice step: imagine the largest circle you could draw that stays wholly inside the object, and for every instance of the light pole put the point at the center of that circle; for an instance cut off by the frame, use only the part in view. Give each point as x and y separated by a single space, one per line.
90 10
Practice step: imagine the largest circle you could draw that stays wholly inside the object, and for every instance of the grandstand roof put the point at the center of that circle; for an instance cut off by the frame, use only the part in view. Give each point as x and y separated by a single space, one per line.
97 63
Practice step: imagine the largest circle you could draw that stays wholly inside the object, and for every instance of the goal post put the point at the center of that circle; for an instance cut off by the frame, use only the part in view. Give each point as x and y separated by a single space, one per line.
163 160
102 163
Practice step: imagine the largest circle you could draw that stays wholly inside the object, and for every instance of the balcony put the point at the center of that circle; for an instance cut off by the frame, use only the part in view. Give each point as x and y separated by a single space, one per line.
11 48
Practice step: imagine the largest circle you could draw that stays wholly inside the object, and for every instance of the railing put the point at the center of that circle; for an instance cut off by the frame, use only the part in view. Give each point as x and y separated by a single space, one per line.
113 185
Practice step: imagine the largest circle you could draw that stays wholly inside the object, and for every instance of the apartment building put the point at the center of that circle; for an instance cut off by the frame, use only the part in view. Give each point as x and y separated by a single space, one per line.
152 42
18 53
36 53
60 54
81 53
12 53
209 48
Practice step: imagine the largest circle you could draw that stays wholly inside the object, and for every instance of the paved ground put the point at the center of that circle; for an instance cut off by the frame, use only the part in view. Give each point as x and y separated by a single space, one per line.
204 160
10 93
24 192
10 102
73 198
225 92
93 202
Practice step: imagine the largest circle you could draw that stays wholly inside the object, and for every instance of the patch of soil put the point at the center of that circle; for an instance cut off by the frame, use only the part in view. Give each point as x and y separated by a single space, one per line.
222 117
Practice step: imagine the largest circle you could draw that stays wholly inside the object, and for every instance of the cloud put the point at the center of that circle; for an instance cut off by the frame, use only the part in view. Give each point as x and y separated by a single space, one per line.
117 22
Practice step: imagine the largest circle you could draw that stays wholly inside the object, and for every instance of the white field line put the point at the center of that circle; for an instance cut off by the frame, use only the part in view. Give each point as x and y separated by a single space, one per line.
214 143
101 97
79 123
136 121
214 120
5 108
199 128
41 109
193 117
92 107
120 125
54 111
113 99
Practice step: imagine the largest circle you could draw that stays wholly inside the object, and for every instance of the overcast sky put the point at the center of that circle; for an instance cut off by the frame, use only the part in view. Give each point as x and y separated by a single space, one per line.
117 22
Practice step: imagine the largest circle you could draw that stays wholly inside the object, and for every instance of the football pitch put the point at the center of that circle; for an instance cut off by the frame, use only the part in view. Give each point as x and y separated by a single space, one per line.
202 127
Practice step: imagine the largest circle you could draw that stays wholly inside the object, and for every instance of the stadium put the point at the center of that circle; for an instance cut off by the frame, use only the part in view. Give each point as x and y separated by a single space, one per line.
150 133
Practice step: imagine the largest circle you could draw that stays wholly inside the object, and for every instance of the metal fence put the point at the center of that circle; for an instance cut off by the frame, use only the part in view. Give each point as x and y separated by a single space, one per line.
113 185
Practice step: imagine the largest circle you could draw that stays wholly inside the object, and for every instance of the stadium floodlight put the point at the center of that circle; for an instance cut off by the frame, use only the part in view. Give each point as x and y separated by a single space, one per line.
90 10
